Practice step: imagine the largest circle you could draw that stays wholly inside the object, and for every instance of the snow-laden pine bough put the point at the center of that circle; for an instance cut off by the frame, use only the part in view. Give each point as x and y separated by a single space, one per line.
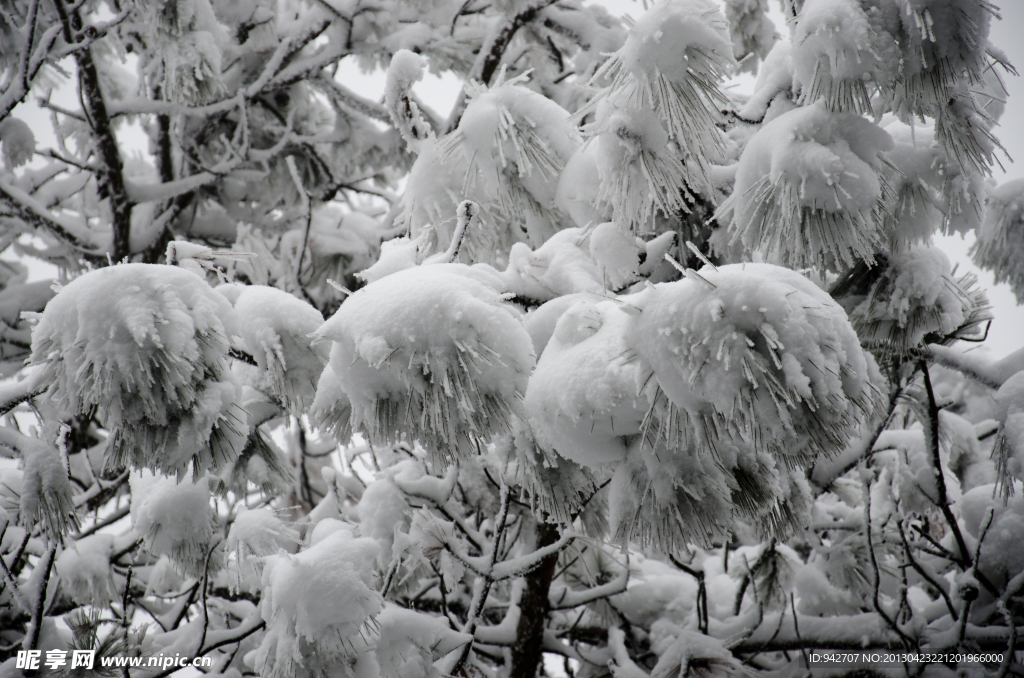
638 373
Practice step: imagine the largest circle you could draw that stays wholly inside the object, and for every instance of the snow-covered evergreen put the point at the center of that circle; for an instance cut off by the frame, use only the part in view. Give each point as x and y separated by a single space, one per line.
613 365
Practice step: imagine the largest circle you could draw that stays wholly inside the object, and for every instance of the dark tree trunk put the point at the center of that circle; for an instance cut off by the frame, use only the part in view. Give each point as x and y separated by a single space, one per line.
533 607
109 168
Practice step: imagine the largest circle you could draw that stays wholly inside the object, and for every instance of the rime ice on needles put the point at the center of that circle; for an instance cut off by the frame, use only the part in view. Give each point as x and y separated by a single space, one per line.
1000 243
671 64
431 353
1008 452
930 187
276 327
84 569
917 296
1001 554
753 33
756 353
189 39
173 518
808 189
672 61
320 608
514 143
942 57
834 55
255 535
555 485
147 345
46 492
17 142
639 165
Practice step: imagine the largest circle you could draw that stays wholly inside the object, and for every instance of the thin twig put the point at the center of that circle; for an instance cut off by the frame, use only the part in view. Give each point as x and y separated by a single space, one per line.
32 637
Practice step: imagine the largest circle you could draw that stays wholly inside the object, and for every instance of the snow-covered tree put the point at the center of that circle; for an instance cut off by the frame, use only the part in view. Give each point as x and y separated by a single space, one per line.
609 364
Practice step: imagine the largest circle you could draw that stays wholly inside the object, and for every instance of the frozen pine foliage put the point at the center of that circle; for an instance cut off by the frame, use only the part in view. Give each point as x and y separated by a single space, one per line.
755 353
1000 238
174 519
46 492
433 351
511 144
320 609
85 569
145 345
916 296
17 142
636 357
753 33
834 54
672 63
639 165
655 121
188 65
1009 447
277 332
808 189
256 535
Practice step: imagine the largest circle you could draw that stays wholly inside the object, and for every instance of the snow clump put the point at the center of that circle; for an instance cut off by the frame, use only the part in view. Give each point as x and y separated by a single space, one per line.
808 189
147 345
915 296
173 518
1000 244
320 607
276 330
755 353
433 352
255 535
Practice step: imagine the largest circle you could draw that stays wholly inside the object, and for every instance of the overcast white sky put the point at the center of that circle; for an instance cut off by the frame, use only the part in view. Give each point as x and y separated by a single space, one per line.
1007 333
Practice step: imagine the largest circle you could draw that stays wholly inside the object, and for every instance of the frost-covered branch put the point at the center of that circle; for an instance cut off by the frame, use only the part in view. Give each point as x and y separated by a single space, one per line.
33 55
37 214
932 441
491 53
565 598
110 173
991 373
12 395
